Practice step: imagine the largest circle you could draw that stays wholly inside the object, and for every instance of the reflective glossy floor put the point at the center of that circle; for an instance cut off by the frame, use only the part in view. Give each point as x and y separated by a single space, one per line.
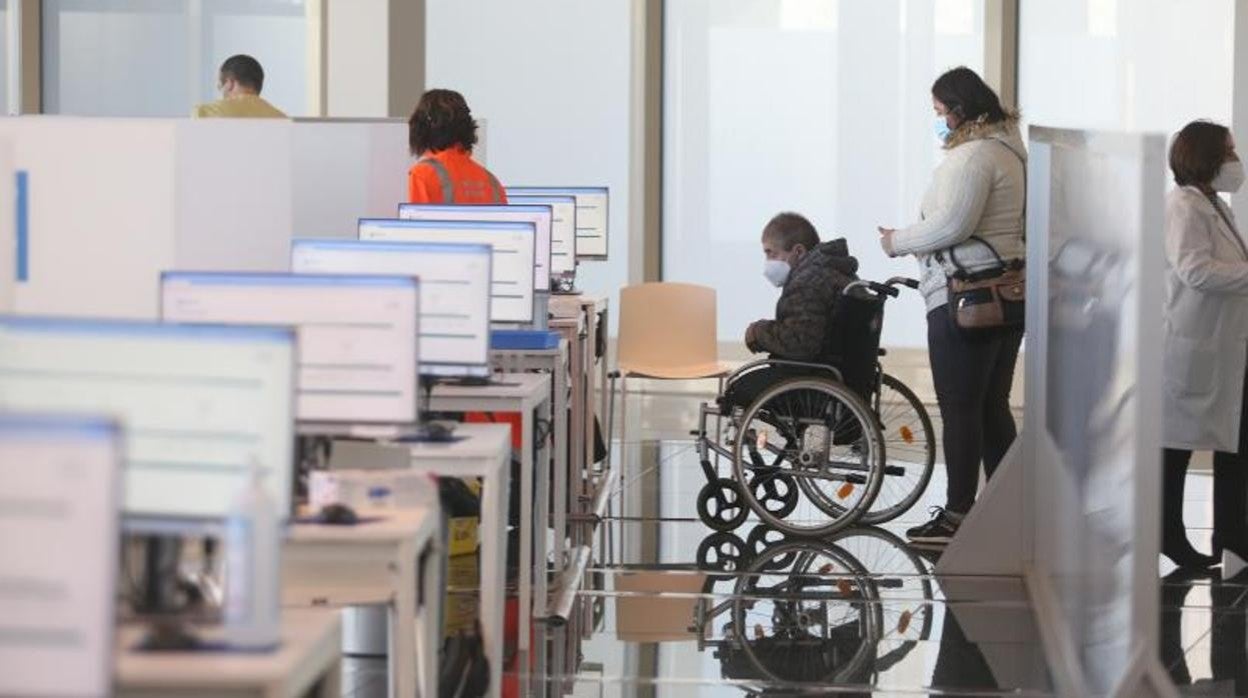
674 609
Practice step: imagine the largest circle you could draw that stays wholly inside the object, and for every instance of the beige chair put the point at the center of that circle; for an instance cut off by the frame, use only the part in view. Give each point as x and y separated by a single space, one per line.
668 332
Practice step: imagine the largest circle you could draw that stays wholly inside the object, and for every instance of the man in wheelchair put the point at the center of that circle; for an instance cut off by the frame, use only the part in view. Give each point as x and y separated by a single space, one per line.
812 276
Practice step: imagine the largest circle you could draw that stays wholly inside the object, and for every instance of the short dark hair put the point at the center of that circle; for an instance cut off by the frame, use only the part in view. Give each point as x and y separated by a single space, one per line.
791 229
1198 152
244 70
966 94
441 120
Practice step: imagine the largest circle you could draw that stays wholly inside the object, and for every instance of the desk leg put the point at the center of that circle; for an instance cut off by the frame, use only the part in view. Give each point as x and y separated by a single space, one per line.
579 409
541 555
560 448
403 625
526 527
493 566
430 562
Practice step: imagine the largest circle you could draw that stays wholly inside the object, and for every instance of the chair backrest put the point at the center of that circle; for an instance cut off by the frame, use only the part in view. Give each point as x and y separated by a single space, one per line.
668 330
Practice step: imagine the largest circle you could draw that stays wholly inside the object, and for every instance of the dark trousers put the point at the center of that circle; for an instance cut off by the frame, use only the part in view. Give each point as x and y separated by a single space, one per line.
972 376
1230 490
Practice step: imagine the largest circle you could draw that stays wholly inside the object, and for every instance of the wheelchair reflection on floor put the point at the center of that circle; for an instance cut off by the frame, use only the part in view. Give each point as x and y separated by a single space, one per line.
814 448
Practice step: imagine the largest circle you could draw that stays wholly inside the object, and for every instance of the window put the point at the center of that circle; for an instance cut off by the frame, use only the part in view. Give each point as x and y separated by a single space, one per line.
160 57
817 106
557 111
1126 81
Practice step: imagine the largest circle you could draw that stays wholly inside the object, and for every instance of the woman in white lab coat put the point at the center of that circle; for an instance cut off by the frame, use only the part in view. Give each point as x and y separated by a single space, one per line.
1206 341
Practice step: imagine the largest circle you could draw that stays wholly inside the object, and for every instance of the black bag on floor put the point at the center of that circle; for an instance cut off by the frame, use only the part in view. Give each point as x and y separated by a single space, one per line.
465 672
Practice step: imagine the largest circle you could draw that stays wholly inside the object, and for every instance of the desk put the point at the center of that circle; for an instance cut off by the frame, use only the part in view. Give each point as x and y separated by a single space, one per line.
484 452
310 657
523 393
555 362
393 562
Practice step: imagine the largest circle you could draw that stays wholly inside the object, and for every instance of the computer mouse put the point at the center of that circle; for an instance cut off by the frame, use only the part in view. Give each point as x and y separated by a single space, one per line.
438 431
337 515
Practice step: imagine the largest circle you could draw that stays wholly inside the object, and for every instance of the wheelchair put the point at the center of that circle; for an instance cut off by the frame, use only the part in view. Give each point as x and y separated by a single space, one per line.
824 446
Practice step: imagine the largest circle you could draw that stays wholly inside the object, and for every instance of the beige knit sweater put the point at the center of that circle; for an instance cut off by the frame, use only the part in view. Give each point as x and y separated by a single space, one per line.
978 189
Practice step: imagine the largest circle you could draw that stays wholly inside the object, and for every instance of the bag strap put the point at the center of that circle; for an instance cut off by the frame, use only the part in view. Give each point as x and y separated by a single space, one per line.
953 256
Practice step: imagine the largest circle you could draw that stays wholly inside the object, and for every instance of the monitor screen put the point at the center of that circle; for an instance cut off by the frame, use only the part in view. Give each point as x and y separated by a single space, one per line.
58 541
540 215
511 295
454 293
562 231
592 209
356 334
201 406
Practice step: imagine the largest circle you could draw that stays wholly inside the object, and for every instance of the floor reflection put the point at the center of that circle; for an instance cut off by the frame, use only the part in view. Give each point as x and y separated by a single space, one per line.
681 610
674 609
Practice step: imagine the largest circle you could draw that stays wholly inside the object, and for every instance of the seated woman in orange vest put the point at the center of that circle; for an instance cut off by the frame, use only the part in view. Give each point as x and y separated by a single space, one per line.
442 134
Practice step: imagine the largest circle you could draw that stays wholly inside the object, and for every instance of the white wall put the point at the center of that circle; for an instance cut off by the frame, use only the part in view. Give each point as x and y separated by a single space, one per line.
820 107
553 77
358 72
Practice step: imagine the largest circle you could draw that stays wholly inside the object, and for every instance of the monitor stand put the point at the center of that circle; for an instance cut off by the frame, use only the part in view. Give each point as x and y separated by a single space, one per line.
167 624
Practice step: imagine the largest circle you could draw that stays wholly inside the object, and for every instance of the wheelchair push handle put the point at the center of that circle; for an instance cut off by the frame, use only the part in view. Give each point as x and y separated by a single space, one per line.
903 281
877 288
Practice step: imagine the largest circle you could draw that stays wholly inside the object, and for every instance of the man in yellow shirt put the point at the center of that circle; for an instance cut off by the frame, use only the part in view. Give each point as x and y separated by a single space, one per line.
240 81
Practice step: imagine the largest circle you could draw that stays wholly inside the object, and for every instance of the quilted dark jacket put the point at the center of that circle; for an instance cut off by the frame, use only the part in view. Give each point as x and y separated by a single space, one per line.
800 329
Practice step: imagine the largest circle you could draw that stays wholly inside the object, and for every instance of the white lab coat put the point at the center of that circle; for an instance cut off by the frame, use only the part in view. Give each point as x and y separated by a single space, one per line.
1205 325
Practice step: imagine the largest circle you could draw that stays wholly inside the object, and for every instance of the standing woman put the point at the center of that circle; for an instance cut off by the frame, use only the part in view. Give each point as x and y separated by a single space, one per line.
972 218
442 133
1206 341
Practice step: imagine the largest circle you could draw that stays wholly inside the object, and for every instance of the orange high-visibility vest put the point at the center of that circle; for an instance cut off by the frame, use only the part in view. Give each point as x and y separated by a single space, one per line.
451 176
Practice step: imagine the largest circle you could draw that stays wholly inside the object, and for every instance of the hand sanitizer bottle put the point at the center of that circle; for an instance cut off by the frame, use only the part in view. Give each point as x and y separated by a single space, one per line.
253 563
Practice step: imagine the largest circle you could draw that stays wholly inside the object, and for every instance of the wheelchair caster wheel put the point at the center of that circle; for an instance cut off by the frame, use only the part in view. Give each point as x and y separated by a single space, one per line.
720 505
722 552
775 492
760 540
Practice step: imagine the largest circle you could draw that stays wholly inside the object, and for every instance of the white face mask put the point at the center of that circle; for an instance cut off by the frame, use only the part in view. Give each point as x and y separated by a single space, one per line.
1230 177
776 271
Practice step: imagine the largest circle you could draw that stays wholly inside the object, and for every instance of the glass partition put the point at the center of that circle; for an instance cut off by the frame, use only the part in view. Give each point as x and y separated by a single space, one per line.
160 57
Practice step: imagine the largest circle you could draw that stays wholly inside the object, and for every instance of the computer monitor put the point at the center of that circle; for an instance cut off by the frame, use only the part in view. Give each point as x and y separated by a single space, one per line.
563 231
357 335
592 209
454 299
540 215
201 405
59 546
511 295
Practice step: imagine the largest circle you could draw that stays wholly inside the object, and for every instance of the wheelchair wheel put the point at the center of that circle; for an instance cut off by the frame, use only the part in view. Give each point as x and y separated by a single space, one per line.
720 505
722 552
903 582
775 492
761 539
910 444
821 435
815 618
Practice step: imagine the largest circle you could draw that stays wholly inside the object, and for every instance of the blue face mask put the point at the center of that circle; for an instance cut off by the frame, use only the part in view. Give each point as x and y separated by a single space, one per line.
942 129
